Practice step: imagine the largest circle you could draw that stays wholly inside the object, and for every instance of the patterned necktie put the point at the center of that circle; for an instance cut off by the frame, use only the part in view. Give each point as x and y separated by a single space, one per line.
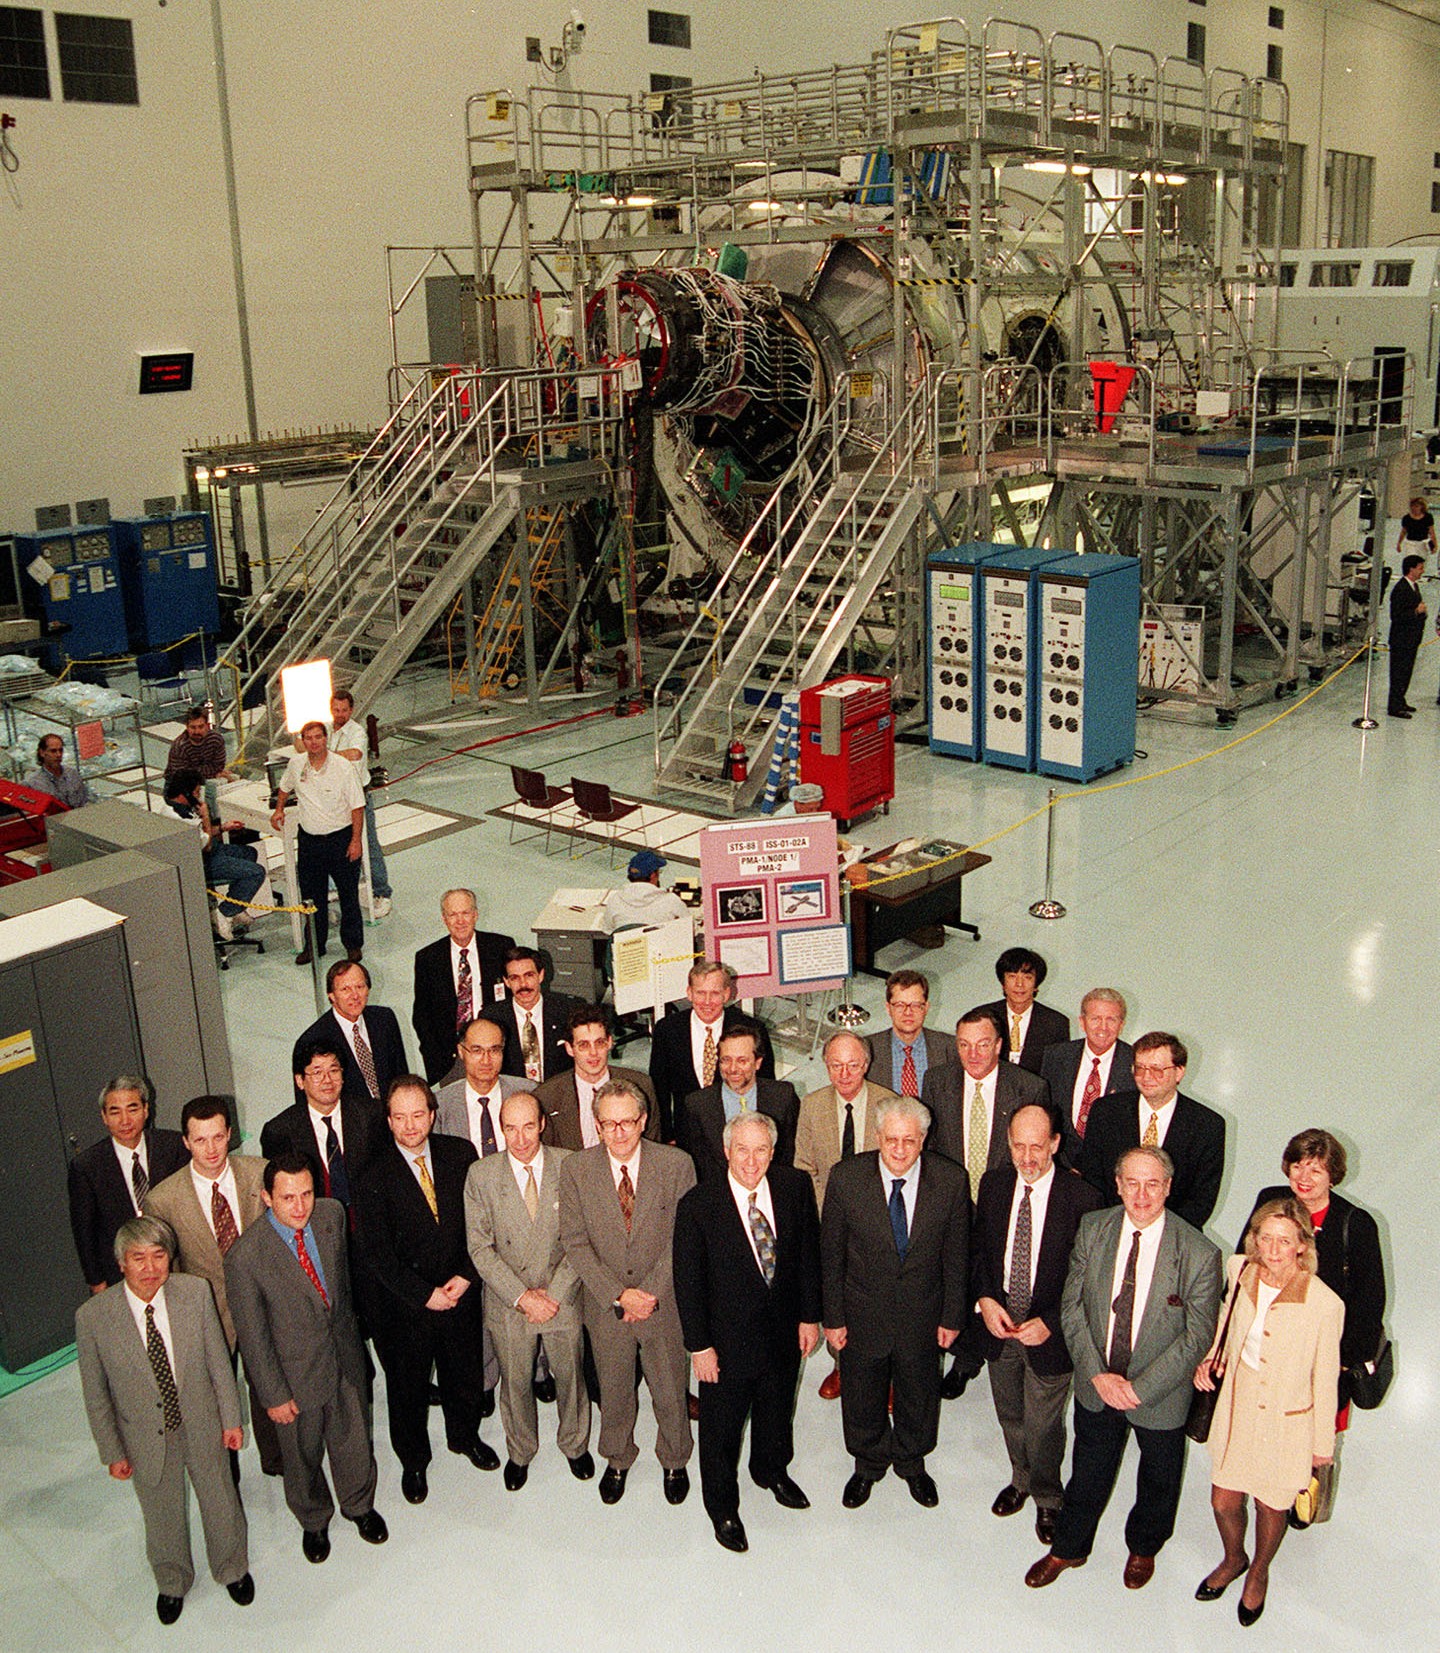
164 1375
764 1237
1151 1139
336 1178
530 1047
366 1060
909 1079
1089 1096
226 1233
427 1188
709 1057
488 1144
979 1145
847 1136
1124 1307
1017 1293
138 1180
532 1193
309 1267
464 993
627 1197
899 1225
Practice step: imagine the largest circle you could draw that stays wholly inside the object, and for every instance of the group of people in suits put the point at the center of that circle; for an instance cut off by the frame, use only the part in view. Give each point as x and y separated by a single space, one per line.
527 1219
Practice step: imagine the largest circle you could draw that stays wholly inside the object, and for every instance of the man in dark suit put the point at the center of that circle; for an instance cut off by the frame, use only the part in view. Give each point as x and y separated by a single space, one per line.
1080 1071
110 1179
567 1099
902 1056
1407 628
685 1044
536 1022
369 1033
456 978
338 1137
971 1102
288 1282
894 1252
162 1404
1025 1223
1138 1311
424 1301
700 1122
1156 1115
747 1281
1021 973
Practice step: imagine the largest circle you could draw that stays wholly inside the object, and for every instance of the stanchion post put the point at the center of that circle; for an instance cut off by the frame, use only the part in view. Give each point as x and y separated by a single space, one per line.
317 975
847 1015
1365 721
1049 907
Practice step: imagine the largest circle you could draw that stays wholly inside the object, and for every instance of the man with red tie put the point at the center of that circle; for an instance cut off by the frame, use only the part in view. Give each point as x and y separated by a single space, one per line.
1080 1071
900 1058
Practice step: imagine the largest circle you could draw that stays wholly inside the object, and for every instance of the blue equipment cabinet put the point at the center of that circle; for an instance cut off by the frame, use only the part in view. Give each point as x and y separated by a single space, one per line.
167 569
955 671
81 605
1009 630
1089 629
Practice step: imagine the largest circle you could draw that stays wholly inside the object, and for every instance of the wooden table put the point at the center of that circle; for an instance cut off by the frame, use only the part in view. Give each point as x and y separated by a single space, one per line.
890 911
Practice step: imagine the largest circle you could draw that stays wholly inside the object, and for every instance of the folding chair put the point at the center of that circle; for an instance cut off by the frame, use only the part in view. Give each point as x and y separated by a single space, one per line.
594 803
530 788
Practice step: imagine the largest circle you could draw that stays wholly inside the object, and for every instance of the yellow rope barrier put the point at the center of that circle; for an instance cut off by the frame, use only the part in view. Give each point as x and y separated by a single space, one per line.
306 908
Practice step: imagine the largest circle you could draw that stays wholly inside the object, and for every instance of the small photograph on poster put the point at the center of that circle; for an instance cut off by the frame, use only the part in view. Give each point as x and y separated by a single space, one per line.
740 904
747 955
800 898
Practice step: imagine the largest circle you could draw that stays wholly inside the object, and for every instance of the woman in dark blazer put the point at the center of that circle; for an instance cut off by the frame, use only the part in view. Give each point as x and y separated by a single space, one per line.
1347 1244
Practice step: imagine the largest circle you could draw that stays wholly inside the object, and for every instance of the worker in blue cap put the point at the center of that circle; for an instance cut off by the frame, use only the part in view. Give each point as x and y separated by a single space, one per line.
641 900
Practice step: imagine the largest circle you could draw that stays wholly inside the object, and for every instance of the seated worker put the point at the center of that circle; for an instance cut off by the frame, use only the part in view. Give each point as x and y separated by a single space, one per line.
236 866
53 777
642 901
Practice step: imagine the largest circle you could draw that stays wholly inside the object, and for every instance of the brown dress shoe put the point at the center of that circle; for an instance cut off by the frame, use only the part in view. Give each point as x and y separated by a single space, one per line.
1139 1570
830 1386
1049 1567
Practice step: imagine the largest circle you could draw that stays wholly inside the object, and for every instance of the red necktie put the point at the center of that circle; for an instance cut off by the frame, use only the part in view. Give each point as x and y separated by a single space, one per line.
1089 1096
223 1217
308 1266
909 1083
627 1197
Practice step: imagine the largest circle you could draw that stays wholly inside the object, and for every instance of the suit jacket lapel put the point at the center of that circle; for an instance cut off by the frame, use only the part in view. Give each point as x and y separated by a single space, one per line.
1162 1282
830 1129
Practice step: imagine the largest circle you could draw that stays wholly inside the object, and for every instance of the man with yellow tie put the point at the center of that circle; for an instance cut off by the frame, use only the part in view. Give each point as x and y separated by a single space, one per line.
422 1291
971 1104
1156 1115
701 1118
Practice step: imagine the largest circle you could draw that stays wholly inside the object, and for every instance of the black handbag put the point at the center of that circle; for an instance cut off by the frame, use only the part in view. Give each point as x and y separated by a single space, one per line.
1367 1383
1202 1402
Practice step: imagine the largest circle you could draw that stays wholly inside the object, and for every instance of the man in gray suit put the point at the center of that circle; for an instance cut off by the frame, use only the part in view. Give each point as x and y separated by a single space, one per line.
972 1103
902 1056
288 1280
470 1106
1141 1300
162 1404
617 1224
532 1292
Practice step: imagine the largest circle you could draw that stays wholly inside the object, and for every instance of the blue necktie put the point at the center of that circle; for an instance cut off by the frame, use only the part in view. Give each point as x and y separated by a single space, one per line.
897 1216
335 1164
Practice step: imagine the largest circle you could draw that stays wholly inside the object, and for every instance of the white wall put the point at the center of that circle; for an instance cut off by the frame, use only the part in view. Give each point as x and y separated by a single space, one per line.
348 121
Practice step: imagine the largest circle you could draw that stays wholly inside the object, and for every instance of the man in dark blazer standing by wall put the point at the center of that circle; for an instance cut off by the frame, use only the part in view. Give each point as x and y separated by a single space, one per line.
894 1251
456 978
1080 1071
369 1033
747 1280
1021 973
702 1116
1025 1224
685 1044
1157 1115
1407 628
109 1180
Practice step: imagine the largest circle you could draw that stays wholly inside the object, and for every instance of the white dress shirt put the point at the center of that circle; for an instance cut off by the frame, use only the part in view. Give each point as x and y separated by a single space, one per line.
618 1165
317 1124
1144 1274
741 1195
325 797
585 1100
519 1170
1087 1059
860 1105
126 1157
225 1182
162 1320
477 1105
1255 1337
537 1017
698 1030
1039 1205
908 1192
477 995
1163 1117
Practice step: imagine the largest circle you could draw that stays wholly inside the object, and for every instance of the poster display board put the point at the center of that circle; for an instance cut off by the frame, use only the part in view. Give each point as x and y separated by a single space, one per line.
771 894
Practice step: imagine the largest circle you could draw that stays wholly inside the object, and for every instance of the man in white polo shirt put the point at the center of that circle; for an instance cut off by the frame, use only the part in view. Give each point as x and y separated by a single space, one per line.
331 802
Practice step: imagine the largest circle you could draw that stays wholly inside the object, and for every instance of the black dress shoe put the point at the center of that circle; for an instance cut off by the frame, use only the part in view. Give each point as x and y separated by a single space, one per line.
955 1382
1009 1501
731 1534
583 1467
316 1545
169 1608
414 1486
677 1485
786 1493
612 1485
1248 1615
516 1475
857 1491
479 1454
371 1527
544 1390
487 1402
923 1490
1392 712
242 1591
1045 1525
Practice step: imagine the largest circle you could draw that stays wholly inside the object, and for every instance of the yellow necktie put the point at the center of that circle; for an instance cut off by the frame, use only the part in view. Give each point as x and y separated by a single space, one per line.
1014 1035
709 1056
427 1188
979 1148
1151 1139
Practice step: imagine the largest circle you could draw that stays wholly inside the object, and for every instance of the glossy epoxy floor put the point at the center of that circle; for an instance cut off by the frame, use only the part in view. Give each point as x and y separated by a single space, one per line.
1273 904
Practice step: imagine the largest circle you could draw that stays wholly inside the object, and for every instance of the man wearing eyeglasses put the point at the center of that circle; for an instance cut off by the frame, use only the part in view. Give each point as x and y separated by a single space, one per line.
1156 1115
617 1225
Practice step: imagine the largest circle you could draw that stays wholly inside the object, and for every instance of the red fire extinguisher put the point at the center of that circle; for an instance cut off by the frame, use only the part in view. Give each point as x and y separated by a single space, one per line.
737 765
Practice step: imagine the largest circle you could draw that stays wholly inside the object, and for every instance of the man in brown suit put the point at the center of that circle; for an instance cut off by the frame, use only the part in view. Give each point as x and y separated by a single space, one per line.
209 1204
567 1098
617 1224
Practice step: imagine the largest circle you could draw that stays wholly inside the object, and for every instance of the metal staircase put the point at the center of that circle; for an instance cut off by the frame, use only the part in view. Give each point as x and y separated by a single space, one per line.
793 596
500 627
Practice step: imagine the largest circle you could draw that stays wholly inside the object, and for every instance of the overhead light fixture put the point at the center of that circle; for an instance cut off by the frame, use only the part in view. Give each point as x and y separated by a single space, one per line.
305 691
765 206
1077 169
1173 179
629 201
